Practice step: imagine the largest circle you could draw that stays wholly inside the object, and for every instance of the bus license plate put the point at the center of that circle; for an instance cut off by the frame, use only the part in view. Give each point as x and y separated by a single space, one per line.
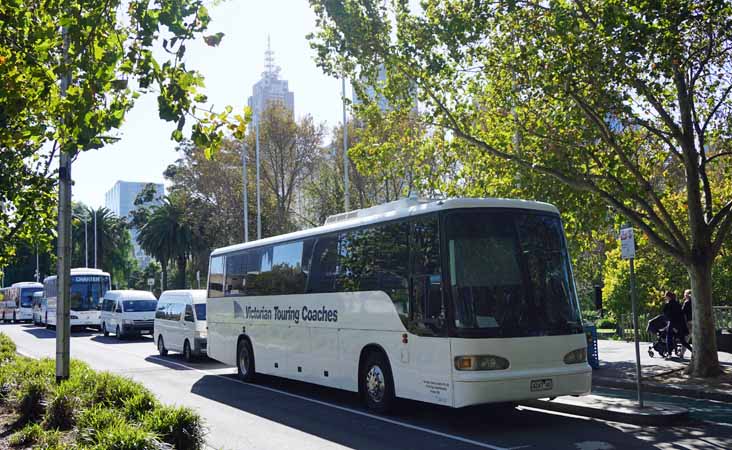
542 385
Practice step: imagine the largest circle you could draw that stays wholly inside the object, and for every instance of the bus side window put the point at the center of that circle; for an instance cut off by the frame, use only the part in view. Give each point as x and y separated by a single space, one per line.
216 277
236 269
324 267
427 315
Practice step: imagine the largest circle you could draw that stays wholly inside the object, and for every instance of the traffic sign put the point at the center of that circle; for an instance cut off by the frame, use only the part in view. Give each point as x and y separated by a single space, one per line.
627 243
151 282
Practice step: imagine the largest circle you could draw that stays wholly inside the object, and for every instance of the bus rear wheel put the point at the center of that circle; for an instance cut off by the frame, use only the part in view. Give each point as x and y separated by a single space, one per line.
245 361
377 383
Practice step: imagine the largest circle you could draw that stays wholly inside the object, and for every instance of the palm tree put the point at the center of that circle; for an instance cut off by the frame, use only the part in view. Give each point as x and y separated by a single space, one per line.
167 237
113 243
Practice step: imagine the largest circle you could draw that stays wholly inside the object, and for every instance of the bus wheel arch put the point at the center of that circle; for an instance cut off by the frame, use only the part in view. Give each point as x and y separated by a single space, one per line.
374 359
245 357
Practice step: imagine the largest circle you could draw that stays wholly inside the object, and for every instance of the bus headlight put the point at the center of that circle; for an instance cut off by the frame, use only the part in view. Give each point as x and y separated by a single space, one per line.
481 362
576 356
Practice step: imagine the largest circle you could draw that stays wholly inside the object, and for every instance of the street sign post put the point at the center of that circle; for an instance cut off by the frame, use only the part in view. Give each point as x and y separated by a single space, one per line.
627 251
151 283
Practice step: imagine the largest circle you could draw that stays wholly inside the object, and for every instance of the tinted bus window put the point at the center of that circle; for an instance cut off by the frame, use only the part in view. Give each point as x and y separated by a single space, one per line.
216 277
235 273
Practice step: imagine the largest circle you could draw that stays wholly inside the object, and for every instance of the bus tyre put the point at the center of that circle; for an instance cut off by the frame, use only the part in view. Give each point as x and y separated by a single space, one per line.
14 320
161 346
377 383
187 353
245 360
105 332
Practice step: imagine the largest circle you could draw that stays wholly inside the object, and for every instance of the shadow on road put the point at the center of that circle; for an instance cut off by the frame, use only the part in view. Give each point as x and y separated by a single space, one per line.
176 361
491 424
45 333
112 339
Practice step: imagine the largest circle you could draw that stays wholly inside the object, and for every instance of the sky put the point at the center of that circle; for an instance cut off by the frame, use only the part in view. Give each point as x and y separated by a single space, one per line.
230 70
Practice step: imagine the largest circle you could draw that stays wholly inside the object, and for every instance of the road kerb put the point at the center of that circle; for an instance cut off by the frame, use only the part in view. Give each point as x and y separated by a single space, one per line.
614 409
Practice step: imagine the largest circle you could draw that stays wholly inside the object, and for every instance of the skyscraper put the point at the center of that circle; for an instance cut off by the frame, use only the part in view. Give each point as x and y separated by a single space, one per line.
120 199
270 89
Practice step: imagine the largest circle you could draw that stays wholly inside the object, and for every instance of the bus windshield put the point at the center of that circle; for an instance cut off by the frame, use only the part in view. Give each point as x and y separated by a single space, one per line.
87 291
26 296
510 275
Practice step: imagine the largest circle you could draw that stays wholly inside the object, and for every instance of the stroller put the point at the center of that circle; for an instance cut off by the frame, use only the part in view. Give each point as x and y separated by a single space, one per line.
658 326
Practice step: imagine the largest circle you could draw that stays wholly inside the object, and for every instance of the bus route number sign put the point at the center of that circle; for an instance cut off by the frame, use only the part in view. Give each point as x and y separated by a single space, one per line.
627 243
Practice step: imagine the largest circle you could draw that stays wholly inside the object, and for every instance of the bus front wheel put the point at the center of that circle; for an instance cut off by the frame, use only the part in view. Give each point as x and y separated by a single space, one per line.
377 383
245 360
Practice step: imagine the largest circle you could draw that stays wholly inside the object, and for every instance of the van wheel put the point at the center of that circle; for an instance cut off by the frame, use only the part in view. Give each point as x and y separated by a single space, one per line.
118 332
245 361
14 320
377 383
104 330
161 346
187 354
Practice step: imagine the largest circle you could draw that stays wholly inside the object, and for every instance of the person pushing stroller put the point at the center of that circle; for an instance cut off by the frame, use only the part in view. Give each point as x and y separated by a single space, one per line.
676 319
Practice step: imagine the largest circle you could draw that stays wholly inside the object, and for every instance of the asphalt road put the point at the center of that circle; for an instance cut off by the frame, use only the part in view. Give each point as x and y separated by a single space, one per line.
280 414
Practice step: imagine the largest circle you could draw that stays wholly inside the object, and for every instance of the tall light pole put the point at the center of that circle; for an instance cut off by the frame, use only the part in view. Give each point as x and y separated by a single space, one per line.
244 156
259 199
346 190
63 326
85 218
95 238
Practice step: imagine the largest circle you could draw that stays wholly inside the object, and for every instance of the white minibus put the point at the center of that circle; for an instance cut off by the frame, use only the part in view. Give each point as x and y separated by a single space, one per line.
180 323
87 290
18 301
455 302
128 313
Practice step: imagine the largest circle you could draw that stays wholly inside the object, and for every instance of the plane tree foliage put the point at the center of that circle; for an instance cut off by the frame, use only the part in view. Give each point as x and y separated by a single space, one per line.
623 103
108 51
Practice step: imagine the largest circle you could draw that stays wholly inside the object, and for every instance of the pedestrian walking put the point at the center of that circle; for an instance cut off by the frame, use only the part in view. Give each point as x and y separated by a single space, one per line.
686 310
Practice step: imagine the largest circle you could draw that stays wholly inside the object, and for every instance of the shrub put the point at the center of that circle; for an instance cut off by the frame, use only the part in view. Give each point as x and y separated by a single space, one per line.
7 349
139 405
179 427
123 436
29 399
606 324
63 408
113 390
29 434
97 419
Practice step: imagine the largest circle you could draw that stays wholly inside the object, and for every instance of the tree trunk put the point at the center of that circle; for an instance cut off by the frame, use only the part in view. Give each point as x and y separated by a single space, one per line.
164 269
181 262
704 361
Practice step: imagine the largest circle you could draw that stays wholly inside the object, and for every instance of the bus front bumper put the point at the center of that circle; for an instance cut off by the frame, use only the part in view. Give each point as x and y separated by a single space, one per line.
517 387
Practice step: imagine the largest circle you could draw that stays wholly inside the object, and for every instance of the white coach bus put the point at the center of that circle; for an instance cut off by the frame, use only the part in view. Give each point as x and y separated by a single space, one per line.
455 302
88 287
17 303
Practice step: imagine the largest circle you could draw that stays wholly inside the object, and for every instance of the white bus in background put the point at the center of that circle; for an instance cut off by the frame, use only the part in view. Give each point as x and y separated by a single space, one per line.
88 287
454 302
17 304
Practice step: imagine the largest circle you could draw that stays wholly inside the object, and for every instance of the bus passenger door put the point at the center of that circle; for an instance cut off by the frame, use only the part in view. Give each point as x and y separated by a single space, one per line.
429 347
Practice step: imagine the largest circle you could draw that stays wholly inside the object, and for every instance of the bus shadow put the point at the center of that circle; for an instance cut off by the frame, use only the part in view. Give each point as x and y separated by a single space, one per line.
125 340
338 416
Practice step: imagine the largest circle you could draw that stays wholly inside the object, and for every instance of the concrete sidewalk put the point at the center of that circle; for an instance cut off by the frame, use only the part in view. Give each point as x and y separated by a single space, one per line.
617 370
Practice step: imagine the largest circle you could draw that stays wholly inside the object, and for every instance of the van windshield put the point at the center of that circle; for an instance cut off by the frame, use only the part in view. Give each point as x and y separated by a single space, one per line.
139 305
200 311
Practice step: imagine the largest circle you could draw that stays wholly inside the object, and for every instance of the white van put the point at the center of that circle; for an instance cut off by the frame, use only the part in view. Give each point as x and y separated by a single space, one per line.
180 323
128 313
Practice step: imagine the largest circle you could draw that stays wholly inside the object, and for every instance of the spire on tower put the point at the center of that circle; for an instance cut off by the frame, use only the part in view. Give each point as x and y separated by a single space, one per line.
271 71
